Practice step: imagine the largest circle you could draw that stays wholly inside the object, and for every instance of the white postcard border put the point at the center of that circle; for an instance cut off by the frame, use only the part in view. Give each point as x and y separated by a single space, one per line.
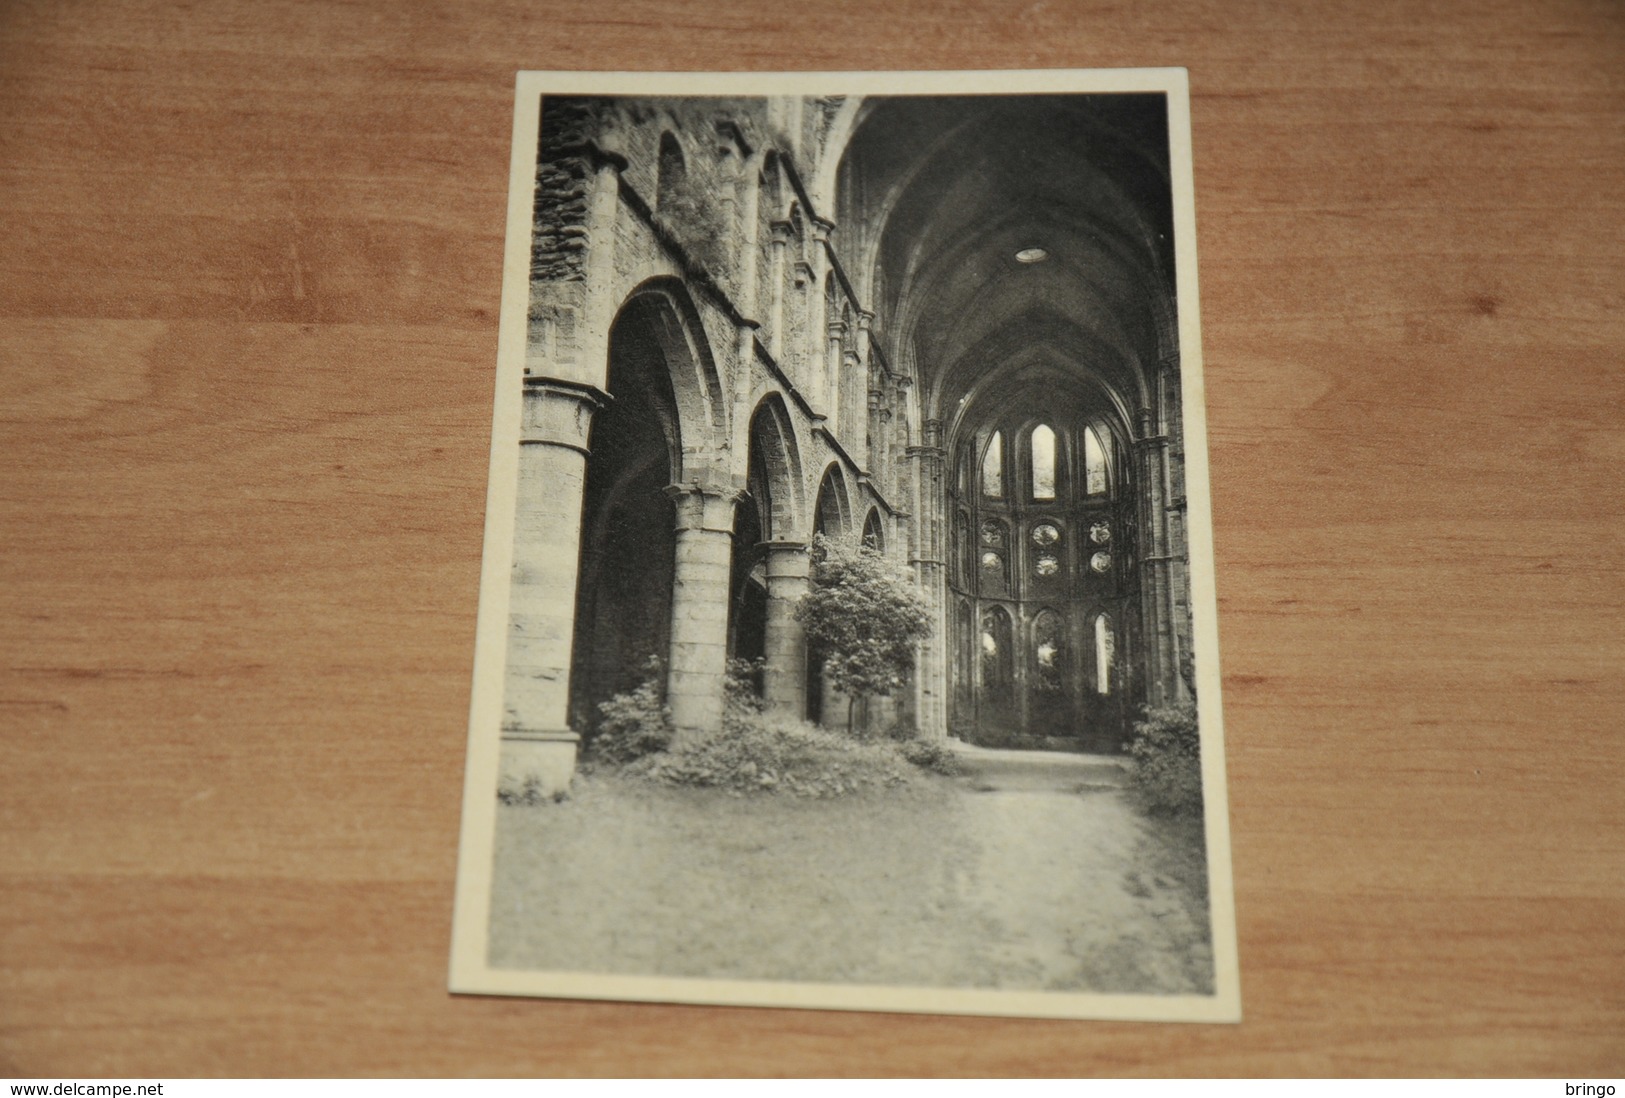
470 972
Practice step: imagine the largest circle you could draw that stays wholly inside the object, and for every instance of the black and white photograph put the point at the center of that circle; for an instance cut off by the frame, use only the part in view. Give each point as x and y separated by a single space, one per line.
847 633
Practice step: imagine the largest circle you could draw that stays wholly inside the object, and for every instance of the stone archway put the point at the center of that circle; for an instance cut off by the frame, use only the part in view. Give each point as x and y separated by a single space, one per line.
769 564
623 606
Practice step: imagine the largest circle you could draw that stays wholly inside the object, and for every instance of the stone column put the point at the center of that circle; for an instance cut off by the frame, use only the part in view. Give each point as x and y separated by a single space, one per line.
776 278
785 677
538 746
854 394
1175 534
699 607
868 398
931 681
1157 621
836 330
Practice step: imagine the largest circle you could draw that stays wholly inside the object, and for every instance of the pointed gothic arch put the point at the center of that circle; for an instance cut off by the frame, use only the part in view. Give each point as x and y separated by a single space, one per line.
667 311
832 516
874 531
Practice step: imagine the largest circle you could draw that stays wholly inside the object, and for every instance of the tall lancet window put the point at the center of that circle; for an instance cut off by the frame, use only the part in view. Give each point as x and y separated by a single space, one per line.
993 468
1103 654
1043 447
1094 463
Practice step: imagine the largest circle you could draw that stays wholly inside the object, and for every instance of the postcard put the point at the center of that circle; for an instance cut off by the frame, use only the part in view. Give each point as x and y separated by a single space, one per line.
847 633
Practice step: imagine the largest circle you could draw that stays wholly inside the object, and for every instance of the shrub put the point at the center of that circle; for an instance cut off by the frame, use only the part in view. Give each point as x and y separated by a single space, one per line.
756 753
863 619
739 689
1167 753
632 725
932 755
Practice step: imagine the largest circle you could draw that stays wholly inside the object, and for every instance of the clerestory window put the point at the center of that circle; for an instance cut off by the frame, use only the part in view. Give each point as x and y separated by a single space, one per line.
993 467
1043 455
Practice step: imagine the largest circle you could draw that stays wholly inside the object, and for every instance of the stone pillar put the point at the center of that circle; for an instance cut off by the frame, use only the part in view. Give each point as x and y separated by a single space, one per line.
868 398
538 746
785 676
873 444
699 607
854 394
1175 534
836 330
818 321
776 277
930 539
1157 620
749 228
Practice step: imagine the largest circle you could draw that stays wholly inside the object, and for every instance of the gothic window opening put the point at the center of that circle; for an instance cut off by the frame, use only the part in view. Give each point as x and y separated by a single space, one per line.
1105 645
967 550
874 535
1043 462
1094 463
998 667
993 468
1047 651
1046 537
995 563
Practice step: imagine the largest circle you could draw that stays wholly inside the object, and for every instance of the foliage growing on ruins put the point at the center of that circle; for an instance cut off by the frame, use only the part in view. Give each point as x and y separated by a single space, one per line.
755 752
863 620
1167 754
759 753
696 227
633 724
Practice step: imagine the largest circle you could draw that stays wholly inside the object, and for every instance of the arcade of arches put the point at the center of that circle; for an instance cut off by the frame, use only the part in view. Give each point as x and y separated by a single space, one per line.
943 325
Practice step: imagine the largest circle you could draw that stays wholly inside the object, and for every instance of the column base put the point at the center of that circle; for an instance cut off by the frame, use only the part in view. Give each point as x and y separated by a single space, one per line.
536 765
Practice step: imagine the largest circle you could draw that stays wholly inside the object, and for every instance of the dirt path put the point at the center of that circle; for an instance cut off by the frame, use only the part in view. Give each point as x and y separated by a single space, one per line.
1027 873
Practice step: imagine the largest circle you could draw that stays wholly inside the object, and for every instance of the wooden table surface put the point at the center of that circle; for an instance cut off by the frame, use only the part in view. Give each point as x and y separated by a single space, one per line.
249 266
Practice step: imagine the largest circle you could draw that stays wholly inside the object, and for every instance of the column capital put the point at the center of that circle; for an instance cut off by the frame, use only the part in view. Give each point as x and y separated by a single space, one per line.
706 507
606 158
786 560
557 412
865 318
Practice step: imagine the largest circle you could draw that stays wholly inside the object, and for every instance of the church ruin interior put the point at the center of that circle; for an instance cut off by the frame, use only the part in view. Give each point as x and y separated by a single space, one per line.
943 325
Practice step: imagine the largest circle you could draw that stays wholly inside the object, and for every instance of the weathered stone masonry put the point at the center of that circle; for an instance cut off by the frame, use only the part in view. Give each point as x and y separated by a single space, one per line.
807 317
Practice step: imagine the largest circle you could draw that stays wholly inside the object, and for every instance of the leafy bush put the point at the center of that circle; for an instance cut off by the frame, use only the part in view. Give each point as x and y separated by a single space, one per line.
739 689
1167 753
933 755
756 753
632 725
863 619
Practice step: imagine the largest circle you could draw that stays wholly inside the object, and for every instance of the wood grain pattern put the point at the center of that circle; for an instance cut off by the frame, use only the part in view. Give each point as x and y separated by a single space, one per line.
248 291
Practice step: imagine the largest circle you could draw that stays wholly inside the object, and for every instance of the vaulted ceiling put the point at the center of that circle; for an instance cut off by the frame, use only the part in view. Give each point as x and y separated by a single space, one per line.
939 195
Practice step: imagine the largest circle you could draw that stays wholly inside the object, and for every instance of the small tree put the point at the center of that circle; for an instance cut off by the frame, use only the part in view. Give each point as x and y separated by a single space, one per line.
863 618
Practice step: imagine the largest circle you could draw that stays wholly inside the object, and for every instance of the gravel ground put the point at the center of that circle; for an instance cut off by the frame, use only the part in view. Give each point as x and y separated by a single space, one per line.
975 883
